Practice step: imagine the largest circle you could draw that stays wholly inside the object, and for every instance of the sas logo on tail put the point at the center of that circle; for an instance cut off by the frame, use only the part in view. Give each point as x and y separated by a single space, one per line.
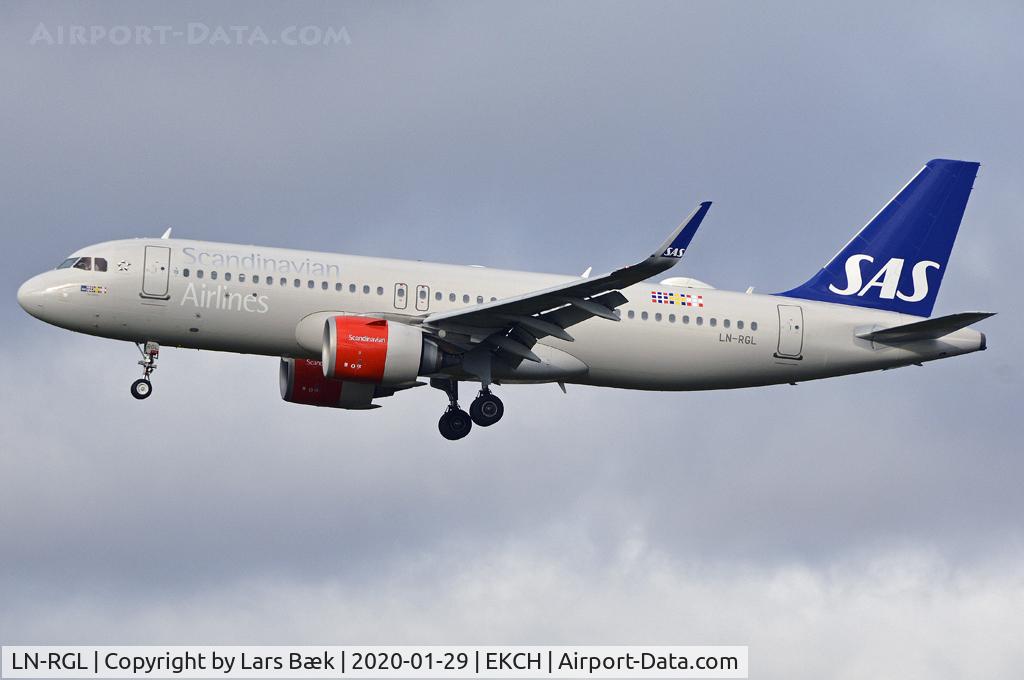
673 252
886 279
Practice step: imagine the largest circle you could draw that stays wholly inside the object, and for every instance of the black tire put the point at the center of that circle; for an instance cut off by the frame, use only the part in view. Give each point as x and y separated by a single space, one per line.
486 410
142 388
455 424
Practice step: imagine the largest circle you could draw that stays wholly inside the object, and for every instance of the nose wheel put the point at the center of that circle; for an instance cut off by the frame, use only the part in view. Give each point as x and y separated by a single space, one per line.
143 387
486 409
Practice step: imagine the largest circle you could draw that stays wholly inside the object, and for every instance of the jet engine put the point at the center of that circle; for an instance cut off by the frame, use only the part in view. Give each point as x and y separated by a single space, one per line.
369 350
303 382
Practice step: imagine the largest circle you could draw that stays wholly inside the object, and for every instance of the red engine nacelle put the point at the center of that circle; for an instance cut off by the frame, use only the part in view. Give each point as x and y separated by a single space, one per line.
365 349
303 382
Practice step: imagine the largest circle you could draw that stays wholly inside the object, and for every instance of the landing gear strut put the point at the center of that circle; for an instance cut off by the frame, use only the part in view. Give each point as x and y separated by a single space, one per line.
486 409
142 387
454 423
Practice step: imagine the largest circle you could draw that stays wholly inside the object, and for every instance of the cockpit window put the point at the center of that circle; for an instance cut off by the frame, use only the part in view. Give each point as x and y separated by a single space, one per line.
89 264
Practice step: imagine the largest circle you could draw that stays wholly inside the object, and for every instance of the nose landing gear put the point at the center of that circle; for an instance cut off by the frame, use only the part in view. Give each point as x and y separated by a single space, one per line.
142 387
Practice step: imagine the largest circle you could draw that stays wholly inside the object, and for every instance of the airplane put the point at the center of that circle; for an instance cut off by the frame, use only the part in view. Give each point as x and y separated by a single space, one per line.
351 330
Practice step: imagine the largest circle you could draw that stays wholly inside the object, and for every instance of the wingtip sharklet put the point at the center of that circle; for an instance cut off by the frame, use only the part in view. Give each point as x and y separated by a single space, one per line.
679 240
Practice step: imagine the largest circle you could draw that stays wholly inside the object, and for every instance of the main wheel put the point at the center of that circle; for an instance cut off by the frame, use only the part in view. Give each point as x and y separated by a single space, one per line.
455 424
142 388
486 410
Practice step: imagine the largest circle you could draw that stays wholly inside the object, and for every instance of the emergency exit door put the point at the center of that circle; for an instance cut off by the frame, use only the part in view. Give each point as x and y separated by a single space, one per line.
156 272
422 298
791 332
401 295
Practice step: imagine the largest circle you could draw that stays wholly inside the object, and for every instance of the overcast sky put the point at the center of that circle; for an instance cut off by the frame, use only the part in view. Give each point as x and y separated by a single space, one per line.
867 526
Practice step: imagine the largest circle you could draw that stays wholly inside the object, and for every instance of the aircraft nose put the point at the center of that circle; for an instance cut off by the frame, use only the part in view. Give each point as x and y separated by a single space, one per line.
30 296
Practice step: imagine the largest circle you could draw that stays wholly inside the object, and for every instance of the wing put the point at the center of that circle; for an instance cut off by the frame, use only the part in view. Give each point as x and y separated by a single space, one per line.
511 326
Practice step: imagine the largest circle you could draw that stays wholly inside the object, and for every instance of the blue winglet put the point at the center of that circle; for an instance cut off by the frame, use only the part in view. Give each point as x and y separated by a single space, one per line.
679 241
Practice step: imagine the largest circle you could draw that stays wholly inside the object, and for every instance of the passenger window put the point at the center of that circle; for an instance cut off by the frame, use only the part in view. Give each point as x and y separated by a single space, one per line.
99 264
227 276
297 283
213 275
199 273
479 299
671 318
284 281
451 297
753 325
351 287
631 314
726 323
67 263
366 290
84 263
739 325
310 284
380 290
438 296
494 299
423 293
700 320
686 319
337 287
465 298
241 278
401 292
657 317
643 315
714 322
184 272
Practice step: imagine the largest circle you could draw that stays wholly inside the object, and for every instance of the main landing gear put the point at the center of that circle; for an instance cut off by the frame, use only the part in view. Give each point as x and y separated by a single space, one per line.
142 387
455 423
486 409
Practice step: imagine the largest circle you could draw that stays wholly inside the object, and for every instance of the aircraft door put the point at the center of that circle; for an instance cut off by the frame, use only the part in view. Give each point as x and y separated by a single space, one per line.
791 332
401 295
156 272
422 298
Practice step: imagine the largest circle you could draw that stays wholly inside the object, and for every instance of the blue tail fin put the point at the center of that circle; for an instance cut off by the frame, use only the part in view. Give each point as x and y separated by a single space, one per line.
897 260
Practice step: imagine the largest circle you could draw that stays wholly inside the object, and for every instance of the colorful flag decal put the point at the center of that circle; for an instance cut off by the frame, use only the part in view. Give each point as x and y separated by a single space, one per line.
672 298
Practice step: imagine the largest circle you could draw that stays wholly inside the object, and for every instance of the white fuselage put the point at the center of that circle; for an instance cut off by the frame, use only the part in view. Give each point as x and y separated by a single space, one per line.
203 295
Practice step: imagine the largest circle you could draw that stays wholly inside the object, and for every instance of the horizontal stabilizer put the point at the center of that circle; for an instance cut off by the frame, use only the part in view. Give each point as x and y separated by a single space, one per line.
929 329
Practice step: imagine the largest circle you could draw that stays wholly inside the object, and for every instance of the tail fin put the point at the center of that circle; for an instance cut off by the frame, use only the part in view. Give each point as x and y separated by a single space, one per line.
897 260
